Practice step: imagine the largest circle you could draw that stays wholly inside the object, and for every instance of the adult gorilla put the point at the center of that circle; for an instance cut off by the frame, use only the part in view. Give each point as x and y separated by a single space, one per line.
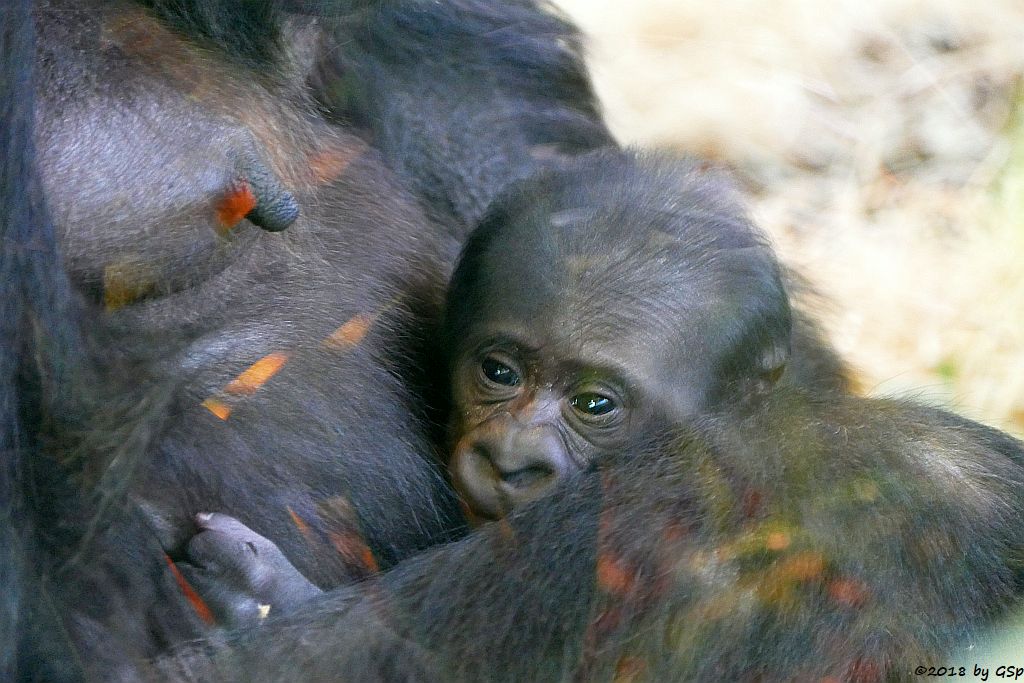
298 357
281 377
278 376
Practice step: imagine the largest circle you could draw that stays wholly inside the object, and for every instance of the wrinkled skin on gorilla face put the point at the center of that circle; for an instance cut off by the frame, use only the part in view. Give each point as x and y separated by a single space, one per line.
596 304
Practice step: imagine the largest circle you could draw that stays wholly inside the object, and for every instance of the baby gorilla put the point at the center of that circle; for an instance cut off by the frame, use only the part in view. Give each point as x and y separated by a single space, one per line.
608 300
619 297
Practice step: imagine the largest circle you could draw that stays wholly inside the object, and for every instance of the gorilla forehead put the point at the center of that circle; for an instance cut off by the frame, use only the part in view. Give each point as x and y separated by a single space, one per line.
621 261
605 297
653 322
628 224
612 273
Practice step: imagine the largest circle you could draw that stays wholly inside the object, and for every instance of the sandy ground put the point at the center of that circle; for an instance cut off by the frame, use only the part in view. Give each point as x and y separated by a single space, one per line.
882 146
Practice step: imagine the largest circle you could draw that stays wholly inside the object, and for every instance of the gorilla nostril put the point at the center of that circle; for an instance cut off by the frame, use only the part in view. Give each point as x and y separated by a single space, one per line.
527 477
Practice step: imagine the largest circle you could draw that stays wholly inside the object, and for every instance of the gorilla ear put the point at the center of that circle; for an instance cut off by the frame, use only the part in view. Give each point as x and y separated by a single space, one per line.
758 373
772 364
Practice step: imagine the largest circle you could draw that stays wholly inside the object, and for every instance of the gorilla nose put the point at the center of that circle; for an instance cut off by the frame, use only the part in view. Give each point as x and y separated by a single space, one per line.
528 464
501 471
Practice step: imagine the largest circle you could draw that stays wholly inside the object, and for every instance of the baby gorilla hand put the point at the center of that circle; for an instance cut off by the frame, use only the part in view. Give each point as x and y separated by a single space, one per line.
241 575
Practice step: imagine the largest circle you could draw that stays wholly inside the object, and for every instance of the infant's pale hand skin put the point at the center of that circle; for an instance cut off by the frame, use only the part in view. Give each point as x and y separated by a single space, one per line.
242 576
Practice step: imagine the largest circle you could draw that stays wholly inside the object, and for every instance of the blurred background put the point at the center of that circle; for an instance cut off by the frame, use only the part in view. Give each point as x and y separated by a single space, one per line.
880 143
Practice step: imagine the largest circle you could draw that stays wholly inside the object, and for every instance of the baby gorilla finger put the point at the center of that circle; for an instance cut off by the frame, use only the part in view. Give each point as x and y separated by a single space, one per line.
226 546
230 607
247 564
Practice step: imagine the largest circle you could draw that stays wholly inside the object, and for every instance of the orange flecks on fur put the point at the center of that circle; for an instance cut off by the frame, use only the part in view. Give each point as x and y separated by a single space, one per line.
115 298
351 333
777 540
235 204
629 669
848 592
218 408
299 523
198 604
124 283
328 164
369 561
611 575
344 534
353 549
803 566
257 374
751 504
117 292
865 671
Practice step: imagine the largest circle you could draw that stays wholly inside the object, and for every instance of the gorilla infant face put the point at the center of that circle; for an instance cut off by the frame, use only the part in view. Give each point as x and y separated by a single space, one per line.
595 307
532 407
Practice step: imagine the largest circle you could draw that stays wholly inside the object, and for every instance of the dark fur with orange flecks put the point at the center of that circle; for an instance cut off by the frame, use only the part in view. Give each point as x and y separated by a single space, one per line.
158 127
144 123
842 539
460 97
749 530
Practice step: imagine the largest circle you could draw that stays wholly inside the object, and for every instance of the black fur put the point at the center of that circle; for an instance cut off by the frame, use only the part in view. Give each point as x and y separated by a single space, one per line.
94 403
86 588
462 97
805 539
789 534
665 240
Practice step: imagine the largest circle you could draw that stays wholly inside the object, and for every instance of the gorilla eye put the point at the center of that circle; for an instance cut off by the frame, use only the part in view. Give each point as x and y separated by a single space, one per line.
499 373
594 404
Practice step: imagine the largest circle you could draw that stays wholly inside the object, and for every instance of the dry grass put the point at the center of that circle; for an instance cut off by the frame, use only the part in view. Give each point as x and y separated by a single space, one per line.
883 145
